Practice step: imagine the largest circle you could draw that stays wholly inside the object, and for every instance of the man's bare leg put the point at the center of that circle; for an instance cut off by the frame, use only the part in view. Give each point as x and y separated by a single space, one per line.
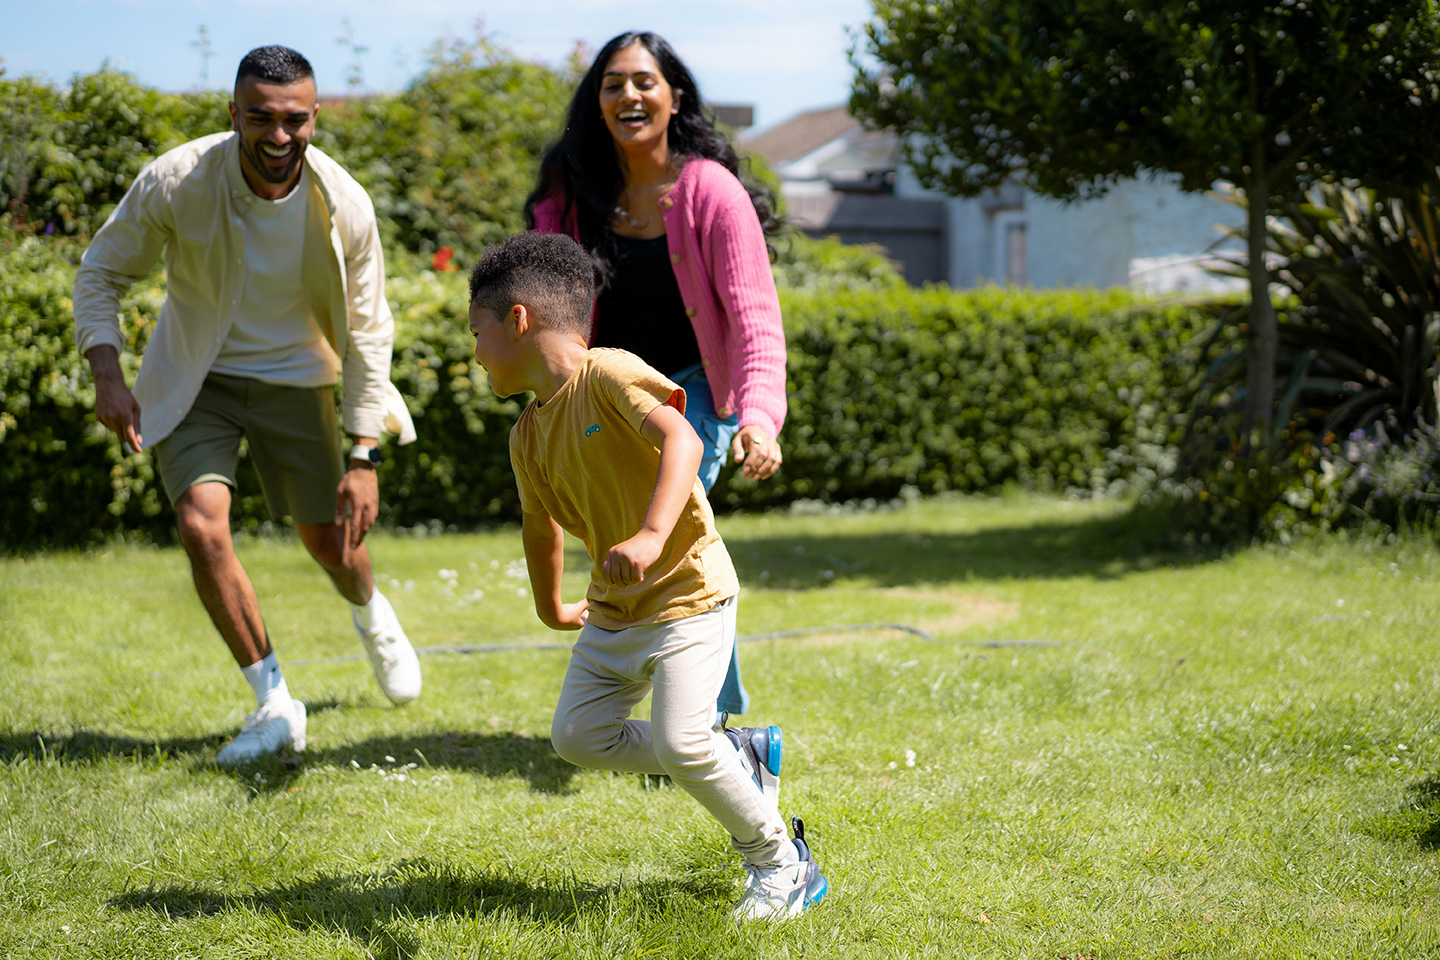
397 669
349 568
203 515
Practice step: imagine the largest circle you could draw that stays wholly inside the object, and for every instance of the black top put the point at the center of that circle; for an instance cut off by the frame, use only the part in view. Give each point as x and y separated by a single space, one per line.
641 310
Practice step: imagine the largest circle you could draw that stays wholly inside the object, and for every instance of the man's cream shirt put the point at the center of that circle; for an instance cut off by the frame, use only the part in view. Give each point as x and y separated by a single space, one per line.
186 204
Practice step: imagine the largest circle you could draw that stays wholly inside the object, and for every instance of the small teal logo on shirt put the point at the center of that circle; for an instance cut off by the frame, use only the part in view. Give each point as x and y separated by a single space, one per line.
593 428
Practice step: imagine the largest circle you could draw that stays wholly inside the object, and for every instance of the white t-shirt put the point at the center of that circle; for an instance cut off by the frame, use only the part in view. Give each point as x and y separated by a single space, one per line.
273 337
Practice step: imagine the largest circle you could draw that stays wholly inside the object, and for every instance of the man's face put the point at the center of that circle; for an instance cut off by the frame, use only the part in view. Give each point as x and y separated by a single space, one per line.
275 123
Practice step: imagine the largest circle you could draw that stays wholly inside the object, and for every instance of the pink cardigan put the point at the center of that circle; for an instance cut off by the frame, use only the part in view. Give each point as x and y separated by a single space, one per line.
717 250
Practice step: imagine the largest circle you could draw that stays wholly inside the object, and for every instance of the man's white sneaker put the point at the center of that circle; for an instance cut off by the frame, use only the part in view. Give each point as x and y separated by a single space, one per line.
397 669
779 891
280 722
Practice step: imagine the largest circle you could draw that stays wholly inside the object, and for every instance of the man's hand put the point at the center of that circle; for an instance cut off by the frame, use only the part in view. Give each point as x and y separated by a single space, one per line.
628 560
115 405
760 454
357 503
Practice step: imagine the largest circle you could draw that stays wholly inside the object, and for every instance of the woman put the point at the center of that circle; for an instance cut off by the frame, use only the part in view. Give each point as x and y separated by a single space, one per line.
643 180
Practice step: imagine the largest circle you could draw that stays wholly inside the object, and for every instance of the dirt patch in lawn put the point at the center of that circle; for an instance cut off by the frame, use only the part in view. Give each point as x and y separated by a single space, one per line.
938 612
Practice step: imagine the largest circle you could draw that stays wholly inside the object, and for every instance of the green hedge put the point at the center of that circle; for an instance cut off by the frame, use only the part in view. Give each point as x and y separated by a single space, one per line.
68 156
62 476
890 388
447 162
936 390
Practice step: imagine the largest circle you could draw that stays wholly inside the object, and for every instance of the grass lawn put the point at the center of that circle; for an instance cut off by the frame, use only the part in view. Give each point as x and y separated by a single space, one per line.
1093 751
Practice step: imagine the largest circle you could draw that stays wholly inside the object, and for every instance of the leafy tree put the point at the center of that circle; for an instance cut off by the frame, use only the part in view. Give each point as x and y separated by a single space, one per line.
450 160
1070 96
67 157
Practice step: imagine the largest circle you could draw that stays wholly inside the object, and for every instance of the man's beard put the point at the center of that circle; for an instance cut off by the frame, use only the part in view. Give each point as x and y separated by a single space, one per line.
269 173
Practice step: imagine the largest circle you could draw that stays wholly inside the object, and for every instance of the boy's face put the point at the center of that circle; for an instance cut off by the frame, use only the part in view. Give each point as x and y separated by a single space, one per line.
496 350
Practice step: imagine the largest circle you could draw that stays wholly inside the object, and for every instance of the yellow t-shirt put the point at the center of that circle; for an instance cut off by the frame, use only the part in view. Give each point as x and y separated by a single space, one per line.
582 459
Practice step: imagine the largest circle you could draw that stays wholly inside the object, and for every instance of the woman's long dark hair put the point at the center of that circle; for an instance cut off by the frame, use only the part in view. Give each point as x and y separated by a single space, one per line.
582 166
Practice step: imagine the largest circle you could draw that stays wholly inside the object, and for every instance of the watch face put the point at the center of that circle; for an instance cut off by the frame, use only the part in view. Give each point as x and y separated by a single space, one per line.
374 454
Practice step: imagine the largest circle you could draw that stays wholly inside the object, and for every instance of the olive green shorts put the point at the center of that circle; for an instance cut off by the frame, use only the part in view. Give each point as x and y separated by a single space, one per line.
293 438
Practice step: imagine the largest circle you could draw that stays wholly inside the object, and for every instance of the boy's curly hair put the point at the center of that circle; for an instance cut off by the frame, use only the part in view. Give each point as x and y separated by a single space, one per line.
549 273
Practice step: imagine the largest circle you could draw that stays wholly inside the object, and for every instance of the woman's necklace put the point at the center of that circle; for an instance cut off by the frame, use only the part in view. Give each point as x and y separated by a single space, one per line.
646 198
620 213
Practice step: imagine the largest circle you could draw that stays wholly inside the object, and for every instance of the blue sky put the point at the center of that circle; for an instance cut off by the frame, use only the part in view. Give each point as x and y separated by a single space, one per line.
782 56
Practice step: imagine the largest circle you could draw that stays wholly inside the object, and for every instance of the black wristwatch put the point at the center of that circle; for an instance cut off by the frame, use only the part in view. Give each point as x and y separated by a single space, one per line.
368 455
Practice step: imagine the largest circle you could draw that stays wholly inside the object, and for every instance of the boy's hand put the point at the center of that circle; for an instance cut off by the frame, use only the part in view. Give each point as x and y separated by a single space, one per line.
627 561
570 616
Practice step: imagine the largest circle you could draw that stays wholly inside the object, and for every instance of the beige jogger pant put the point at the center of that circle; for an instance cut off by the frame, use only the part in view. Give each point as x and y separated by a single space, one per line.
681 663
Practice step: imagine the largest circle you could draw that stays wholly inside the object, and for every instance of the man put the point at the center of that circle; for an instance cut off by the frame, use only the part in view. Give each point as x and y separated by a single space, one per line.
275 284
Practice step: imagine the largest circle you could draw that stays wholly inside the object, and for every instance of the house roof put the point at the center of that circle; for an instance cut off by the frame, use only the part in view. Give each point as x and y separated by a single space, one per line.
801 134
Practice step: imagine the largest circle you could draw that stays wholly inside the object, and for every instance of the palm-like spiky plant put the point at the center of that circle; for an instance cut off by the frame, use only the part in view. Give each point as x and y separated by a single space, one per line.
1356 367
1364 269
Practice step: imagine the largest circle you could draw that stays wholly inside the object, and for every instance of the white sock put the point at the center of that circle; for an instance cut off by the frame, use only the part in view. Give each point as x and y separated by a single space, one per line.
266 680
367 614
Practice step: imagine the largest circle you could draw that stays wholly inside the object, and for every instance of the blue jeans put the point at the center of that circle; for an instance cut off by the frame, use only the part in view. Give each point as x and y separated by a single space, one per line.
716 434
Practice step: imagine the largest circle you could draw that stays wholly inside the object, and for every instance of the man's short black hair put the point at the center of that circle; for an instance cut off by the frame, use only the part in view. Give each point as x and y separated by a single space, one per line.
547 272
274 64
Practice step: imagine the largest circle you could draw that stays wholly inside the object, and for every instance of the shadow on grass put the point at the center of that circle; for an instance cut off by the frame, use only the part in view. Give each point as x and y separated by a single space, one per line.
91 746
378 908
488 755
1103 548
88 746
1416 820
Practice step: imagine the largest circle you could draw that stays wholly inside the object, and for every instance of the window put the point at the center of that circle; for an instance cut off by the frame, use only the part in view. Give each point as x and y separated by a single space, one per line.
1015 266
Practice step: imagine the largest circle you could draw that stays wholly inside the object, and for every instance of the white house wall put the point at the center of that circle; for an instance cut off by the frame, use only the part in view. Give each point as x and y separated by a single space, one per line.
1144 233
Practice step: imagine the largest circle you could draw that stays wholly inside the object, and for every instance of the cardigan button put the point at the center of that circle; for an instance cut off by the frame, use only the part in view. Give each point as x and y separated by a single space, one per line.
666 203
723 411
674 258
689 311
705 363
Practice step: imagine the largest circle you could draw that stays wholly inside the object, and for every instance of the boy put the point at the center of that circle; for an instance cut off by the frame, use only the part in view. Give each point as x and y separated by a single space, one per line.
604 451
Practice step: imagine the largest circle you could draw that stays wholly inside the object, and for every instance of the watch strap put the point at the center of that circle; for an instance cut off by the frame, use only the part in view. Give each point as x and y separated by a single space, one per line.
365 453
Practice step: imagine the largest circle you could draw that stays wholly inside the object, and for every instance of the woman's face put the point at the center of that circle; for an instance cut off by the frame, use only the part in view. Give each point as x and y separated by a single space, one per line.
635 99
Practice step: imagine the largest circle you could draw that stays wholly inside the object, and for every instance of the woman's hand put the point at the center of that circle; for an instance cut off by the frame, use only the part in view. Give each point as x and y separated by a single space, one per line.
758 454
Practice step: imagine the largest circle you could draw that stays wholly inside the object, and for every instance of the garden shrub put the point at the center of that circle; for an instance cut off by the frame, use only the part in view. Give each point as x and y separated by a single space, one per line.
890 388
1359 337
458 469
934 390
806 265
450 160
69 156
63 478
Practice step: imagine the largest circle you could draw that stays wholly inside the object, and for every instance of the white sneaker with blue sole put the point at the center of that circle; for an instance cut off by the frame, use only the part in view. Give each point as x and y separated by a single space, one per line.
762 749
780 891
